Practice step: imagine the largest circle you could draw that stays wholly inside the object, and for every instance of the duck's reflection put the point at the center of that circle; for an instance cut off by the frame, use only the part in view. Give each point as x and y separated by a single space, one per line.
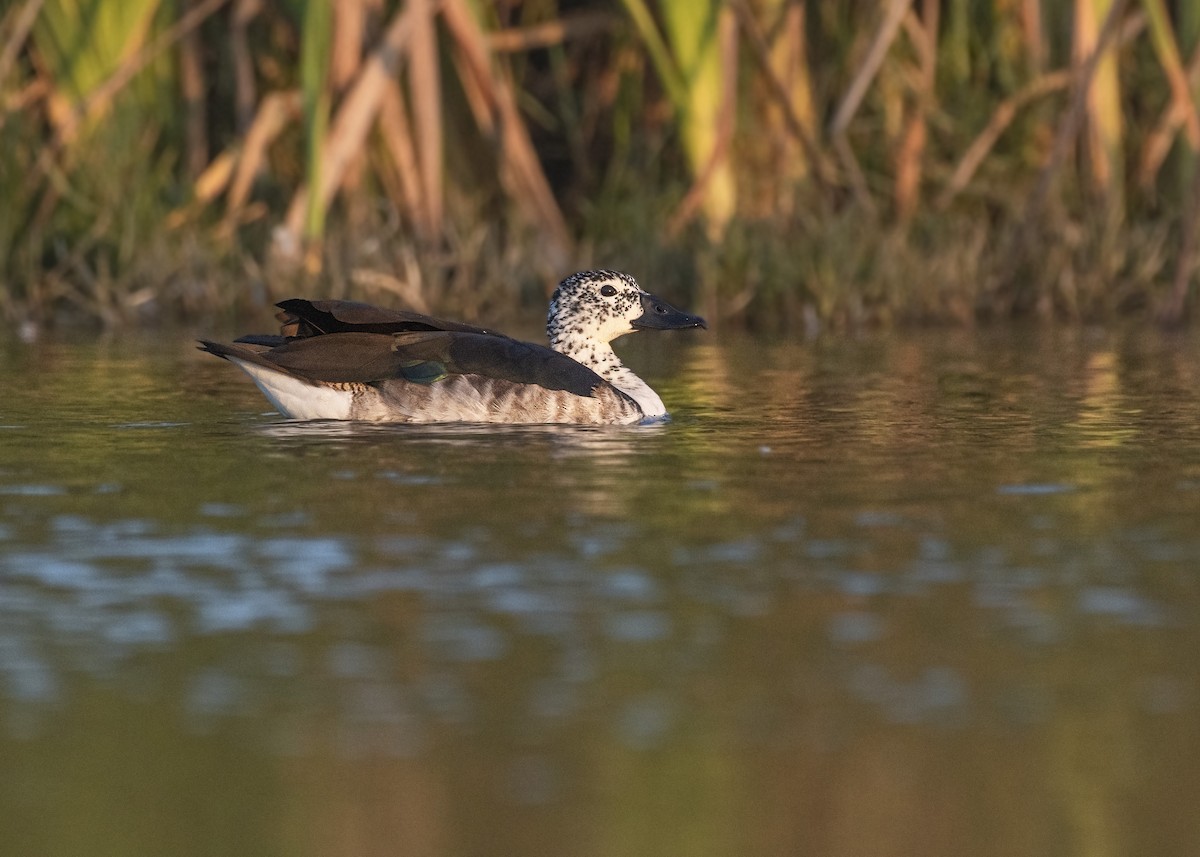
606 440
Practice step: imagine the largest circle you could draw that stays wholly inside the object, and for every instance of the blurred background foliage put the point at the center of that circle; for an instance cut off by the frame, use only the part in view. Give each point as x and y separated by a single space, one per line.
776 163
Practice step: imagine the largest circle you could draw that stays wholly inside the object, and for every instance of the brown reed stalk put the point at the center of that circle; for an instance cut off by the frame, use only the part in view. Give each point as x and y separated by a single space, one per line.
1034 33
785 58
1068 127
1006 111
349 31
1159 141
351 123
245 94
910 152
193 85
277 111
1068 131
885 34
425 92
398 140
520 170
800 130
23 22
1166 45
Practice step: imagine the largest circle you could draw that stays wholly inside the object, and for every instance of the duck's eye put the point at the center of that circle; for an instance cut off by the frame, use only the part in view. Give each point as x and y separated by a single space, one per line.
608 291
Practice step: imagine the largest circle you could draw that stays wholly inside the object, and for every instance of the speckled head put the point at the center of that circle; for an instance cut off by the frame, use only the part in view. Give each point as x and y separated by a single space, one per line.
599 306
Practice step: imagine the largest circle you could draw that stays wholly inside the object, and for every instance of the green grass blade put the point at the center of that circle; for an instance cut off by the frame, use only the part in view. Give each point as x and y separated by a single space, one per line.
664 63
317 43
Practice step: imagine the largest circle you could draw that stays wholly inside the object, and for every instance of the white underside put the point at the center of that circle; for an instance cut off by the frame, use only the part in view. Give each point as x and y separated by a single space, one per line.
297 399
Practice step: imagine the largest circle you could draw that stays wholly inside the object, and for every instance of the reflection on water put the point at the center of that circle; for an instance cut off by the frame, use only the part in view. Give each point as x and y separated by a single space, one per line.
907 594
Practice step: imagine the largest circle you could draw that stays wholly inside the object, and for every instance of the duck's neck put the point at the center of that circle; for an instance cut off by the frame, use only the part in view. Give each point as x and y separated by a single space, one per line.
601 359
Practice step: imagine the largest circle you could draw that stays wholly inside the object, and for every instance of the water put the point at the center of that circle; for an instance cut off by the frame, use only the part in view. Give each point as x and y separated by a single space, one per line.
925 593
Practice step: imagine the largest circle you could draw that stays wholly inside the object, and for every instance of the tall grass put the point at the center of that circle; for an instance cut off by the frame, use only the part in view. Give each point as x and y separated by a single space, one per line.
789 161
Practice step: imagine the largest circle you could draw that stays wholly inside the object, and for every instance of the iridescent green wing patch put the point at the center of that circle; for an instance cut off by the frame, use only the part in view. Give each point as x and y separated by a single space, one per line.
423 371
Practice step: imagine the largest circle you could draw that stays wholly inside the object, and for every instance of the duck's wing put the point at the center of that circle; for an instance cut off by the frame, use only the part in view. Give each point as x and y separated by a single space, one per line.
300 317
422 357
429 355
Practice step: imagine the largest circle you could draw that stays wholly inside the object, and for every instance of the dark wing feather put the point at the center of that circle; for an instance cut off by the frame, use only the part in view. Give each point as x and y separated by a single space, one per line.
337 357
304 318
499 357
427 357
262 340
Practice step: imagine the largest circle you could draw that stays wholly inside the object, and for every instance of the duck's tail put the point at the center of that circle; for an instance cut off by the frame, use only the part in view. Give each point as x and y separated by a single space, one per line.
293 396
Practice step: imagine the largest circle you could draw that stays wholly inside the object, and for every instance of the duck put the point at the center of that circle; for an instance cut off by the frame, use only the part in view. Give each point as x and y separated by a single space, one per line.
344 360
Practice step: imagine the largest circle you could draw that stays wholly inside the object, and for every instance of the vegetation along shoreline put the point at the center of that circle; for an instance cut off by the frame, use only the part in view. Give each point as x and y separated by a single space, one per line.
776 164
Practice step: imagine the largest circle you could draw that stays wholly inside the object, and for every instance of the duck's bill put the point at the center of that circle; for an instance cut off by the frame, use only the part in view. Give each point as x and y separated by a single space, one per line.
657 314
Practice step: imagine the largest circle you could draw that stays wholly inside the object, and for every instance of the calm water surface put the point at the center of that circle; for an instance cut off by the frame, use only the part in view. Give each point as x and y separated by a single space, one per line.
911 594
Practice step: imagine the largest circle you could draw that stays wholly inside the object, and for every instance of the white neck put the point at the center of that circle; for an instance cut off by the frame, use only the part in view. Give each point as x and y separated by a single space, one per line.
601 359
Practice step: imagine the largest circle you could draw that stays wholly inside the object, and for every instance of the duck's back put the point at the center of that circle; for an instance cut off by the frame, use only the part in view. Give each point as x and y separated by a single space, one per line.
300 317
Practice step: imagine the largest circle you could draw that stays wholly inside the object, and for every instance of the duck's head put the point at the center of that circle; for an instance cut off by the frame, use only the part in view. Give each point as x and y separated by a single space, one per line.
599 306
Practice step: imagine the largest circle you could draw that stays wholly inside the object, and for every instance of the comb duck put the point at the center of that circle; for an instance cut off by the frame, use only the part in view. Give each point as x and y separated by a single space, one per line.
350 361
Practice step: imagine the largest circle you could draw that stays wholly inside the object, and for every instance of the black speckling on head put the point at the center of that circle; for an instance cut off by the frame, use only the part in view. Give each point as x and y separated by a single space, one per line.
578 305
592 281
